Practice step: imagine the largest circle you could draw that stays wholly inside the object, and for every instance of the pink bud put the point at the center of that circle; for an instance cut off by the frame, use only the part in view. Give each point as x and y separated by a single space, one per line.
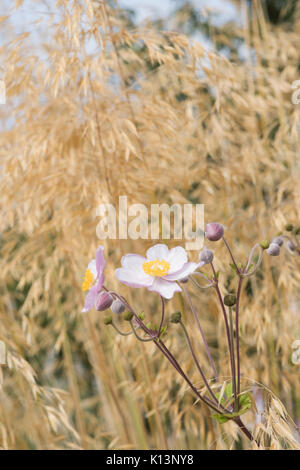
214 231
103 301
290 246
206 256
278 241
117 307
273 250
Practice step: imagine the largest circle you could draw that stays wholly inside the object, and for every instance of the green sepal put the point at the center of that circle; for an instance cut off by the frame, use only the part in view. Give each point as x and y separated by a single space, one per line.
163 330
232 267
142 316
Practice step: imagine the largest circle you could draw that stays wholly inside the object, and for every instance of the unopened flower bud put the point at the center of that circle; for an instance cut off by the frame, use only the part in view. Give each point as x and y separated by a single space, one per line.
265 244
278 241
214 231
206 256
108 320
273 250
117 307
289 227
290 246
175 317
128 316
103 301
230 300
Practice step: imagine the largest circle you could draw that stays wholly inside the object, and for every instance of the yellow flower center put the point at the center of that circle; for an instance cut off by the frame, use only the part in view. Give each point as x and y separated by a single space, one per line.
156 268
88 280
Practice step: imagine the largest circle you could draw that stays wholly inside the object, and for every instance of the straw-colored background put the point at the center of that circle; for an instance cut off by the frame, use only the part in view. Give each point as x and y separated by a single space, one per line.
148 113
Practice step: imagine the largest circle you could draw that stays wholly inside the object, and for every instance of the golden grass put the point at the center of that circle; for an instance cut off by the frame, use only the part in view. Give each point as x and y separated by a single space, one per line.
151 115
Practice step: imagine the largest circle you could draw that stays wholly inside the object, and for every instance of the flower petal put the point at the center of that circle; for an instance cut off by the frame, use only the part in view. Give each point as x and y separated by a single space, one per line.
165 288
100 260
92 268
133 262
90 299
186 270
132 278
100 282
159 251
177 257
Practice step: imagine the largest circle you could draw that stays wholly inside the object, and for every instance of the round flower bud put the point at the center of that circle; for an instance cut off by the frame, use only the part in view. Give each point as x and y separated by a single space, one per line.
230 300
265 244
175 317
108 320
206 256
214 231
278 241
117 307
103 301
128 316
289 227
273 250
290 246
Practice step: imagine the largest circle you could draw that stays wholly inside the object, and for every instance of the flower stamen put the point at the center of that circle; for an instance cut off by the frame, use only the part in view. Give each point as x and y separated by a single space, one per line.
156 267
88 280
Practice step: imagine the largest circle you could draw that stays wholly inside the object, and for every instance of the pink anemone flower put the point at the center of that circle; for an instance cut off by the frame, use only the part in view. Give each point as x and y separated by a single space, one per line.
158 272
94 279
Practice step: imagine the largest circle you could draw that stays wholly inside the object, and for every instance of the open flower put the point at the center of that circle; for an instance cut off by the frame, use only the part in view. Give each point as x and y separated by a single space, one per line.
159 271
94 279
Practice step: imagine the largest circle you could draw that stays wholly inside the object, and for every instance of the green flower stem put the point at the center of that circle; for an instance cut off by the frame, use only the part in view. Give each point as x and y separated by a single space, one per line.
232 257
237 306
162 314
198 285
161 346
225 318
144 340
198 365
233 360
201 332
159 343
119 331
245 272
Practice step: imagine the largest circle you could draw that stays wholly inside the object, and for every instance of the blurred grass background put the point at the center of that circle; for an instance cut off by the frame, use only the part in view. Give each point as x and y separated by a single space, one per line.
184 108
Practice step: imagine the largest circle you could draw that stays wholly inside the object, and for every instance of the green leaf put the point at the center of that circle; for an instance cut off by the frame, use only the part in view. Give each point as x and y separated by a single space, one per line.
220 418
227 395
244 402
232 267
